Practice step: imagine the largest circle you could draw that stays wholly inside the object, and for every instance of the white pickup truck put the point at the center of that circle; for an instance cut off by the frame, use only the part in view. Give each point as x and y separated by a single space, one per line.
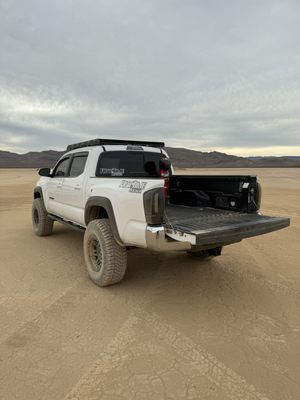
125 194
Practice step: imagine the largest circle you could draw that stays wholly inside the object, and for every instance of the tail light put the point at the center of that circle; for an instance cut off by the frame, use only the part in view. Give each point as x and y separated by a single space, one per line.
154 206
165 174
167 189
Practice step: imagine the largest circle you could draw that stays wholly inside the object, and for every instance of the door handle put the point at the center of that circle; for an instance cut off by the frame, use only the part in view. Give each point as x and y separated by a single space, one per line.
59 186
76 188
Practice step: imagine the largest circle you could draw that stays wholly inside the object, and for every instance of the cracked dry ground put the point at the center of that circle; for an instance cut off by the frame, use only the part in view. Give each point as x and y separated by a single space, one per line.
175 328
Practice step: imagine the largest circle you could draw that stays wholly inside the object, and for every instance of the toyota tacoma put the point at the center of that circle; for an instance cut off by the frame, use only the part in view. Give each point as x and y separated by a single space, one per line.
124 194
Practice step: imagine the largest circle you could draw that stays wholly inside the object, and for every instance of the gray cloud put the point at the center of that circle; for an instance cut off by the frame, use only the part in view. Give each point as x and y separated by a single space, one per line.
208 75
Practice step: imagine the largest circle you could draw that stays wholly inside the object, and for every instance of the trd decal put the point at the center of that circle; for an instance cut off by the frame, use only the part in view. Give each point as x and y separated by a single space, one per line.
133 186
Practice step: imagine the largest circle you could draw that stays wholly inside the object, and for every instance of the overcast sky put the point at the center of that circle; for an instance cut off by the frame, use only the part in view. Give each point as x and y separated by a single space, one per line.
208 75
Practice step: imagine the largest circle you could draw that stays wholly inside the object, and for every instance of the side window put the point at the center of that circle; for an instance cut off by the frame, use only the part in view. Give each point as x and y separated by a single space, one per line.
78 165
62 167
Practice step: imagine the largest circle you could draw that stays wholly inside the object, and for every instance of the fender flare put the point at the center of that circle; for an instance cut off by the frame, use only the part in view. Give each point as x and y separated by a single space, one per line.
39 190
105 203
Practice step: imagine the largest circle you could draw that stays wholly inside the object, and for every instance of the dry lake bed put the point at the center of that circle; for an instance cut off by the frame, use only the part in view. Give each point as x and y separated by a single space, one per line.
175 328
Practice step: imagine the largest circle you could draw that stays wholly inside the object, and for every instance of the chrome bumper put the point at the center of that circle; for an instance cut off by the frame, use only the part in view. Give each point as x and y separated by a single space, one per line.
156 240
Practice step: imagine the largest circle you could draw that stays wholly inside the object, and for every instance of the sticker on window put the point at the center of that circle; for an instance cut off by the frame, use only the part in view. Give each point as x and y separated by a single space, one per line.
112 171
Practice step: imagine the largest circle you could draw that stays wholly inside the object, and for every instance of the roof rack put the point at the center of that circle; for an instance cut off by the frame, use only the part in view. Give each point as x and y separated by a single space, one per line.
101 142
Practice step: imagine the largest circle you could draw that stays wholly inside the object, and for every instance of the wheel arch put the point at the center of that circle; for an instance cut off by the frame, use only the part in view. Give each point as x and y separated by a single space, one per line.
38 193
98 207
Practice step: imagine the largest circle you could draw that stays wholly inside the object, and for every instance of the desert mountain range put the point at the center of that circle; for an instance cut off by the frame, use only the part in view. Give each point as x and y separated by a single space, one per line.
181 157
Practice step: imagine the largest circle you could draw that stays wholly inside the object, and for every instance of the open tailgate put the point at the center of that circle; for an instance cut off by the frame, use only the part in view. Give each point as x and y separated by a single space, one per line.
204 226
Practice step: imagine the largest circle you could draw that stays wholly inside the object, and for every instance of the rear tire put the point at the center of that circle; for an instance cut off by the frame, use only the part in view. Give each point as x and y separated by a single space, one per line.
105 259
41 223
205 254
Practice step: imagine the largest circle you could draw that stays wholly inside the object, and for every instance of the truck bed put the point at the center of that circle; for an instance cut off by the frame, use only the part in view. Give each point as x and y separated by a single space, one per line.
212 226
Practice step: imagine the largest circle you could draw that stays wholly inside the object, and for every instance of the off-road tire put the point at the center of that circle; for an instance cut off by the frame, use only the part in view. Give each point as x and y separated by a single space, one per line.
205 254
41 223
105 259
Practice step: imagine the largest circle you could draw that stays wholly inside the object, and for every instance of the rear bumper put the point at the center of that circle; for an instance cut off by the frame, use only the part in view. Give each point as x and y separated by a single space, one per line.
156 240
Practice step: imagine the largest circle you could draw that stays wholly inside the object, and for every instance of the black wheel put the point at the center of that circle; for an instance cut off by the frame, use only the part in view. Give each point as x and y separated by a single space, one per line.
105 259
41 223
205 254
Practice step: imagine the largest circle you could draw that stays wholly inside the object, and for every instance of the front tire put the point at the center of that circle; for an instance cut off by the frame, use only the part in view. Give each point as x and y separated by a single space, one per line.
105 259
41 223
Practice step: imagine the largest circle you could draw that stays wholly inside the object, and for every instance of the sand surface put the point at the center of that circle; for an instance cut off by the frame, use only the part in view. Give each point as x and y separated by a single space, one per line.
175 328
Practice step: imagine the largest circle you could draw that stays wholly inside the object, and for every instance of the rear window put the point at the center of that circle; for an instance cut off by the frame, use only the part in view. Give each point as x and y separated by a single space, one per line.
129 164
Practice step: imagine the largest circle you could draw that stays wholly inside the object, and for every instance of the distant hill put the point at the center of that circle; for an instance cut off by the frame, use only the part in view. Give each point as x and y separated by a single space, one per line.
181 158
33 159
273 162
186 158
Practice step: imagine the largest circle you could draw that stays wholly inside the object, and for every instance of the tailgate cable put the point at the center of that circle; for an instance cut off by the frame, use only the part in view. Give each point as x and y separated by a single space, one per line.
168 221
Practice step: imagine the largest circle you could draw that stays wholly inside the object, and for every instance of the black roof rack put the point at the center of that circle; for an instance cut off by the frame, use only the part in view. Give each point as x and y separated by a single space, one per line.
101 142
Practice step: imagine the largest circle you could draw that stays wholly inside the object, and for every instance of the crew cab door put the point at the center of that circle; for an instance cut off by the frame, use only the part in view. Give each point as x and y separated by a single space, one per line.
54 186
73 189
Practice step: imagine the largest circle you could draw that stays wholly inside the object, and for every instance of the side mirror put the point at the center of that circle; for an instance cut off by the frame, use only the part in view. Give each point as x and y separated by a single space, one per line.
45 172
165 164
